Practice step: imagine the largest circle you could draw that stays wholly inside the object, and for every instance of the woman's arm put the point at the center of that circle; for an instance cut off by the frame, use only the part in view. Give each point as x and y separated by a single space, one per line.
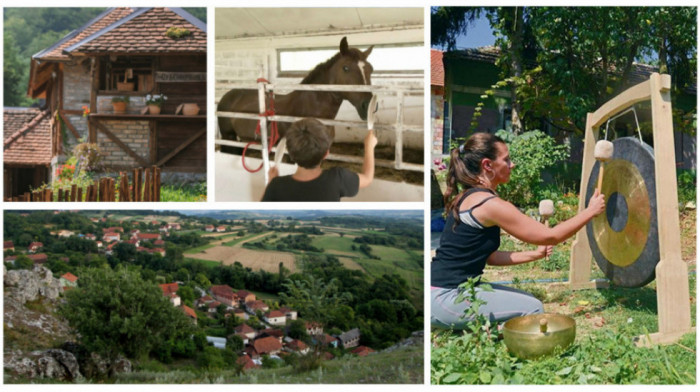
509 218
502 258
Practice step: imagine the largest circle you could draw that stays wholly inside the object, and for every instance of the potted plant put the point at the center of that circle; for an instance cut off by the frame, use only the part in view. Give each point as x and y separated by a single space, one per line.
119 104
154 102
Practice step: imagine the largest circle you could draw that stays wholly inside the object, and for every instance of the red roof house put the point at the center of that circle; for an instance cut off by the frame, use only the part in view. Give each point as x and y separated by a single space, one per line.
267 345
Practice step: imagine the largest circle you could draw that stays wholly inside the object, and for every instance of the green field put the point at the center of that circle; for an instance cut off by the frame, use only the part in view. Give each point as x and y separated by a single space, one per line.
208 263
326 242
240 239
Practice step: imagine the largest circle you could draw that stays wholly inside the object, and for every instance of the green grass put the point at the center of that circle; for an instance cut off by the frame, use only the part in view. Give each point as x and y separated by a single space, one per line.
196 192
208 263
402 366
342 244
240 239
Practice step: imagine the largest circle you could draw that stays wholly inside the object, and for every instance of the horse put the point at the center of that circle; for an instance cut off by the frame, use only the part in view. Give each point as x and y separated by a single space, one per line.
348 66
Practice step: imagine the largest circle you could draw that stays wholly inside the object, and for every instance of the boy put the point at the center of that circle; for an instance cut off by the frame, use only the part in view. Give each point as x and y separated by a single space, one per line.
308 144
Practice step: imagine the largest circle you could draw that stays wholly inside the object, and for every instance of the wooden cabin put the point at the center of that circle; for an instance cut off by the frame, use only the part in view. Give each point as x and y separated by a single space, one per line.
127 52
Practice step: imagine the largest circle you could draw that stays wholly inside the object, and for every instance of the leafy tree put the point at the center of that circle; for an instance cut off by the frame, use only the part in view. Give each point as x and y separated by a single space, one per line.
117 312
297 330
12 77
314 298
234 343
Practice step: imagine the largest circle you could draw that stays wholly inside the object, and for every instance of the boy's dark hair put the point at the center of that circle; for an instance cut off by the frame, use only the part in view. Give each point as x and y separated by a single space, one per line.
307 142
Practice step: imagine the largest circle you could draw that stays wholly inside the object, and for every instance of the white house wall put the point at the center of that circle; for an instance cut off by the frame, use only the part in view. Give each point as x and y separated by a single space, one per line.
243 60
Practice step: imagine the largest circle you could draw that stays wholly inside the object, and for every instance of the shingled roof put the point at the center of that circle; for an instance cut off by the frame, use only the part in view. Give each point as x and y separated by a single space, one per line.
437 70
27 136
101 21
144 32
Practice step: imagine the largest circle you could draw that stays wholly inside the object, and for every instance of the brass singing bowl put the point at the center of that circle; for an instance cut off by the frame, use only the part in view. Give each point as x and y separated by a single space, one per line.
537 335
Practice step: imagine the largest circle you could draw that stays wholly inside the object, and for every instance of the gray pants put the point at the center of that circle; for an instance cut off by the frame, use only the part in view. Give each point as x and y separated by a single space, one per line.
502 304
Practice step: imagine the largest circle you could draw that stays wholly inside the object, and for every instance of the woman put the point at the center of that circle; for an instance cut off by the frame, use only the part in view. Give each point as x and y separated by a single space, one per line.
471 236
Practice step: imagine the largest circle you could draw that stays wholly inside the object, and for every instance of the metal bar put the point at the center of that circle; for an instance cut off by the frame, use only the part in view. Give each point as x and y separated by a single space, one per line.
263 130
341 123
398 145
331 87
332 157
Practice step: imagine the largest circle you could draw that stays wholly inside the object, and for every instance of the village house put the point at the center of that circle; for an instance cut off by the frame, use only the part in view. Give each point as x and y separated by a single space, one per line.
151 250
68 281
267 345
245 296
289 313
134 242
246 362
275 317
221 229
114 55
34 247
99 244
189 312
39 258
8 245
241 314
170 291
134 232
297 346
350 338
328 340
209 228
272 332
203 301
115 229
245 330
174 226
65 233
362 351
213 306
110 237
225 295
10 259
255 306
163 229
90 237
147 236
313 329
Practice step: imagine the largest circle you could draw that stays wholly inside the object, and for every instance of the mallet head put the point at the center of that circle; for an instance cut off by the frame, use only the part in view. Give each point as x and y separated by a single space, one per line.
603 150
546 208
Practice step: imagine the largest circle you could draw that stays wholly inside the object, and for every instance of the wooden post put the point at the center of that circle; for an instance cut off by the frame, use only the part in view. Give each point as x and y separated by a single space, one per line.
147 186
94 88
60 194
672 290
73 192
79 196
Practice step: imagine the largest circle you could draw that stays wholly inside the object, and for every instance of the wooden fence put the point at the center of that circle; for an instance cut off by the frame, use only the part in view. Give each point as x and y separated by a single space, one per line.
145 186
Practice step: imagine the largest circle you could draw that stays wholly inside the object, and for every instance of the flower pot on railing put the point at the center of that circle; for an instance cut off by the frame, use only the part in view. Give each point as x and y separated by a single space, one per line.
153 109
119 107
190 109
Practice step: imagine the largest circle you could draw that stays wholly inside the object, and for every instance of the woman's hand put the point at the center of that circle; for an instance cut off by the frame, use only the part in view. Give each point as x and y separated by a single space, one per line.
597 203
544 251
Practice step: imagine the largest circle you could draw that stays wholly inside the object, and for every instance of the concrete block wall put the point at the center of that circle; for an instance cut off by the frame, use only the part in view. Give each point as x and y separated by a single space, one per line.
134 134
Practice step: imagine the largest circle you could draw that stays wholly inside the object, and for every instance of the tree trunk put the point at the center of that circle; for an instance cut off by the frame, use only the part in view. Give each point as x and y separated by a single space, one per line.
515 47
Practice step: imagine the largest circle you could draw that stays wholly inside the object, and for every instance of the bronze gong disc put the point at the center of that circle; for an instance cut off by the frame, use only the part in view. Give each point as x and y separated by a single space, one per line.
624 239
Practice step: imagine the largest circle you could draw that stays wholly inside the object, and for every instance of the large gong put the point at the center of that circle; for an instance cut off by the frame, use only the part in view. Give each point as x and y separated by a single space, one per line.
624 239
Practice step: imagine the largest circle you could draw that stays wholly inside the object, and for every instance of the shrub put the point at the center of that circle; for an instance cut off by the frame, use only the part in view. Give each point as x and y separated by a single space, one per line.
532 152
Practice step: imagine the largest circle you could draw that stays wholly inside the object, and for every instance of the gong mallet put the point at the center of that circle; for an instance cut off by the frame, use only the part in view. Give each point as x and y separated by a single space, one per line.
603 152
546 210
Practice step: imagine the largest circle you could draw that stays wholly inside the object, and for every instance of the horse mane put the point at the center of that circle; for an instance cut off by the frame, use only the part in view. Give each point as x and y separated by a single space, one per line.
323 67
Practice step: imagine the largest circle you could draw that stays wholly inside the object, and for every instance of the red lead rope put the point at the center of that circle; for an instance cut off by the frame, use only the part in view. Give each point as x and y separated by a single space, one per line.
274 134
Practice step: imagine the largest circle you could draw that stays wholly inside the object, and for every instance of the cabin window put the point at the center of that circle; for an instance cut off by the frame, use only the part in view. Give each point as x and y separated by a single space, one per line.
385 59
126 74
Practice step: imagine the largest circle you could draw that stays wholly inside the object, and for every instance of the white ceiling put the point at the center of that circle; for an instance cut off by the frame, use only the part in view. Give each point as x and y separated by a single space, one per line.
265 22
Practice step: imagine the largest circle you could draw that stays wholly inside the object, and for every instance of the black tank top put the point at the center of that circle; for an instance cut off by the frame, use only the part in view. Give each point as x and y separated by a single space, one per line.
463 249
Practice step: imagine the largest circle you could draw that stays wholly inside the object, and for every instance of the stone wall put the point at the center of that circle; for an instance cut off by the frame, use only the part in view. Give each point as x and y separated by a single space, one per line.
132 133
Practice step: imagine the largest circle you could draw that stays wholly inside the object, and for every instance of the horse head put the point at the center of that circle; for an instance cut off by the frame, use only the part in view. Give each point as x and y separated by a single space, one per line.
350 66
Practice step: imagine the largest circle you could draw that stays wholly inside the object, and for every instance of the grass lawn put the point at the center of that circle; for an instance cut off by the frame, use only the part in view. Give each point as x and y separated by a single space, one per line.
607 323
342 244
194 192
208 263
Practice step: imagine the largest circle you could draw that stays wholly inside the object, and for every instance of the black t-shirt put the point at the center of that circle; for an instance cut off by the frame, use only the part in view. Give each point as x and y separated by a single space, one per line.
463 250
331 185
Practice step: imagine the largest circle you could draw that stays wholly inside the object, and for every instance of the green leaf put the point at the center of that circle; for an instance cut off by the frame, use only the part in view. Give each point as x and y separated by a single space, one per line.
451 378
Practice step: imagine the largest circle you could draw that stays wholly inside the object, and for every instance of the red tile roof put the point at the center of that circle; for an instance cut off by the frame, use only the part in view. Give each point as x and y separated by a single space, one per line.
244 328
8 245
169 288
246 361
267 345
362 351
148 236
189 311
70 277
144 32
39 258
297 345
437 70
224 291
27 136
103 20
274 314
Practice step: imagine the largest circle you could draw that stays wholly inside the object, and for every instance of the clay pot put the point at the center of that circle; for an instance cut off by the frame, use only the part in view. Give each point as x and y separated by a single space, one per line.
153 109
119 107
190 109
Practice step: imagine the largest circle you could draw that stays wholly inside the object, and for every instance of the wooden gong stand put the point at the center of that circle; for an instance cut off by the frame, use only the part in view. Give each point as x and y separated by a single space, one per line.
672 291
